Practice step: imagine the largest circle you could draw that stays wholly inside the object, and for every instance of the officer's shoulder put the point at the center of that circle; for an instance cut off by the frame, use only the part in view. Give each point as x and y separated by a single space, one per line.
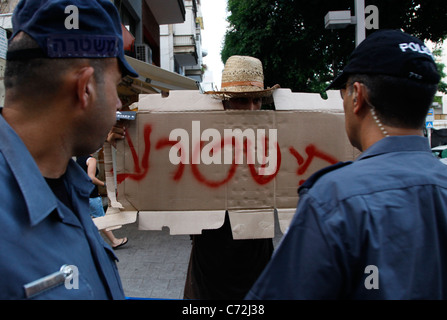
312 180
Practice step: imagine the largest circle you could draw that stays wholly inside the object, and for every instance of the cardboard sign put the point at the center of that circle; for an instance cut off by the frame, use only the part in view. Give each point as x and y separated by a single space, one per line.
186 160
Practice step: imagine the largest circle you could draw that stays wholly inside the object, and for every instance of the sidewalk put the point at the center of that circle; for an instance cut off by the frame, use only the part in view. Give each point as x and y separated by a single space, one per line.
153 264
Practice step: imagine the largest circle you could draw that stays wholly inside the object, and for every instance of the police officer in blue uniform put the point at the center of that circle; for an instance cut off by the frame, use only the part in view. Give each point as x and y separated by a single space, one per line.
64 61
375 228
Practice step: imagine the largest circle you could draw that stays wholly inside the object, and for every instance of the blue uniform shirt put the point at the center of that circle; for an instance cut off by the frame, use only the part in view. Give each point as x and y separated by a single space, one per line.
372 229
39 234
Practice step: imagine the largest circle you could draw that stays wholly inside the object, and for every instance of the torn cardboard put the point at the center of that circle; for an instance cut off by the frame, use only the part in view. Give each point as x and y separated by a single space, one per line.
173 167
117 214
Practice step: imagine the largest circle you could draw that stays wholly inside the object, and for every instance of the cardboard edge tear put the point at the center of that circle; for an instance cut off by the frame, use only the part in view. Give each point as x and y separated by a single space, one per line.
181 222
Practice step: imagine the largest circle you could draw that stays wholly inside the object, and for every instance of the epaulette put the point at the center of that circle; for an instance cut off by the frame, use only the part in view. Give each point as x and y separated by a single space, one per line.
317 175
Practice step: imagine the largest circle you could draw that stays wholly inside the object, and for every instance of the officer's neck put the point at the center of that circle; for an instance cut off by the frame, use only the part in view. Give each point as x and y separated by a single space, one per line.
44 136
372 133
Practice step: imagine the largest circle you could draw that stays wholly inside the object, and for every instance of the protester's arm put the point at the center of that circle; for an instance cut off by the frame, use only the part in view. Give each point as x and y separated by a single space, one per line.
115 134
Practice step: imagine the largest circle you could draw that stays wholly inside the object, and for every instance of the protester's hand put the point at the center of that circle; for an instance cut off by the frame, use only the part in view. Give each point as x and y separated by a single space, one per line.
116 133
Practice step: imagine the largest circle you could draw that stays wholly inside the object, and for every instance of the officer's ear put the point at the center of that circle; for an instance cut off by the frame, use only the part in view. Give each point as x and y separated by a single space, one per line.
359 98
85 85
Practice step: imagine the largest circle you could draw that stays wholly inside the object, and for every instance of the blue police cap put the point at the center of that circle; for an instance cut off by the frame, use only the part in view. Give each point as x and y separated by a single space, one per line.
98 34
393 53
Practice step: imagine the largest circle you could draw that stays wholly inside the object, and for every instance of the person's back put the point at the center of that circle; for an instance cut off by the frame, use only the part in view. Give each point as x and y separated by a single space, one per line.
377 222
388 210
374 228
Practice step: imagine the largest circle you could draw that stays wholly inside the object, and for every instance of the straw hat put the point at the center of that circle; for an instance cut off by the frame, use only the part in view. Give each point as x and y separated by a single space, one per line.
243 76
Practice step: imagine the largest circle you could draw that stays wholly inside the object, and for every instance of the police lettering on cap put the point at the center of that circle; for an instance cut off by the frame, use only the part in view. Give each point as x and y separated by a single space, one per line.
393 53
99 34
416 47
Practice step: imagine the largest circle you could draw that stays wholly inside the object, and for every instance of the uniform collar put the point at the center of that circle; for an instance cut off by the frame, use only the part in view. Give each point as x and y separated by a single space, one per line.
396 144
39 198
385 145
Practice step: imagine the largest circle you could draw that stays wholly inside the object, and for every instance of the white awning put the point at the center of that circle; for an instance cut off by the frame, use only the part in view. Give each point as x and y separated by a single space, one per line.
153 79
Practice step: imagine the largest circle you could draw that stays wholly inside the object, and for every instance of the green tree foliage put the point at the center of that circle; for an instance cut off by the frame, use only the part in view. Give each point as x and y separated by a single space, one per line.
297 52
442 87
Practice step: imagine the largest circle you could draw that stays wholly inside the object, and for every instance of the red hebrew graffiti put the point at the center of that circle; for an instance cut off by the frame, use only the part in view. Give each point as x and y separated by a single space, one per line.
263 179
139 174
201 178
141 169
312 152
181 166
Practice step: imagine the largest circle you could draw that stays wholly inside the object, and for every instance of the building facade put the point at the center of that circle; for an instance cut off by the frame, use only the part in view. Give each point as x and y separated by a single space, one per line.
181 43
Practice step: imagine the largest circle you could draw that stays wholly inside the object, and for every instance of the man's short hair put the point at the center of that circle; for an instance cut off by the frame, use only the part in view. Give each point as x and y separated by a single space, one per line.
399 102
41 76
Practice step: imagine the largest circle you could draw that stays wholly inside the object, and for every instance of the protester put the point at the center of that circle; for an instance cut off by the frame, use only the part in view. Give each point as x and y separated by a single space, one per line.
60 102
220 267
374 228
88 164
